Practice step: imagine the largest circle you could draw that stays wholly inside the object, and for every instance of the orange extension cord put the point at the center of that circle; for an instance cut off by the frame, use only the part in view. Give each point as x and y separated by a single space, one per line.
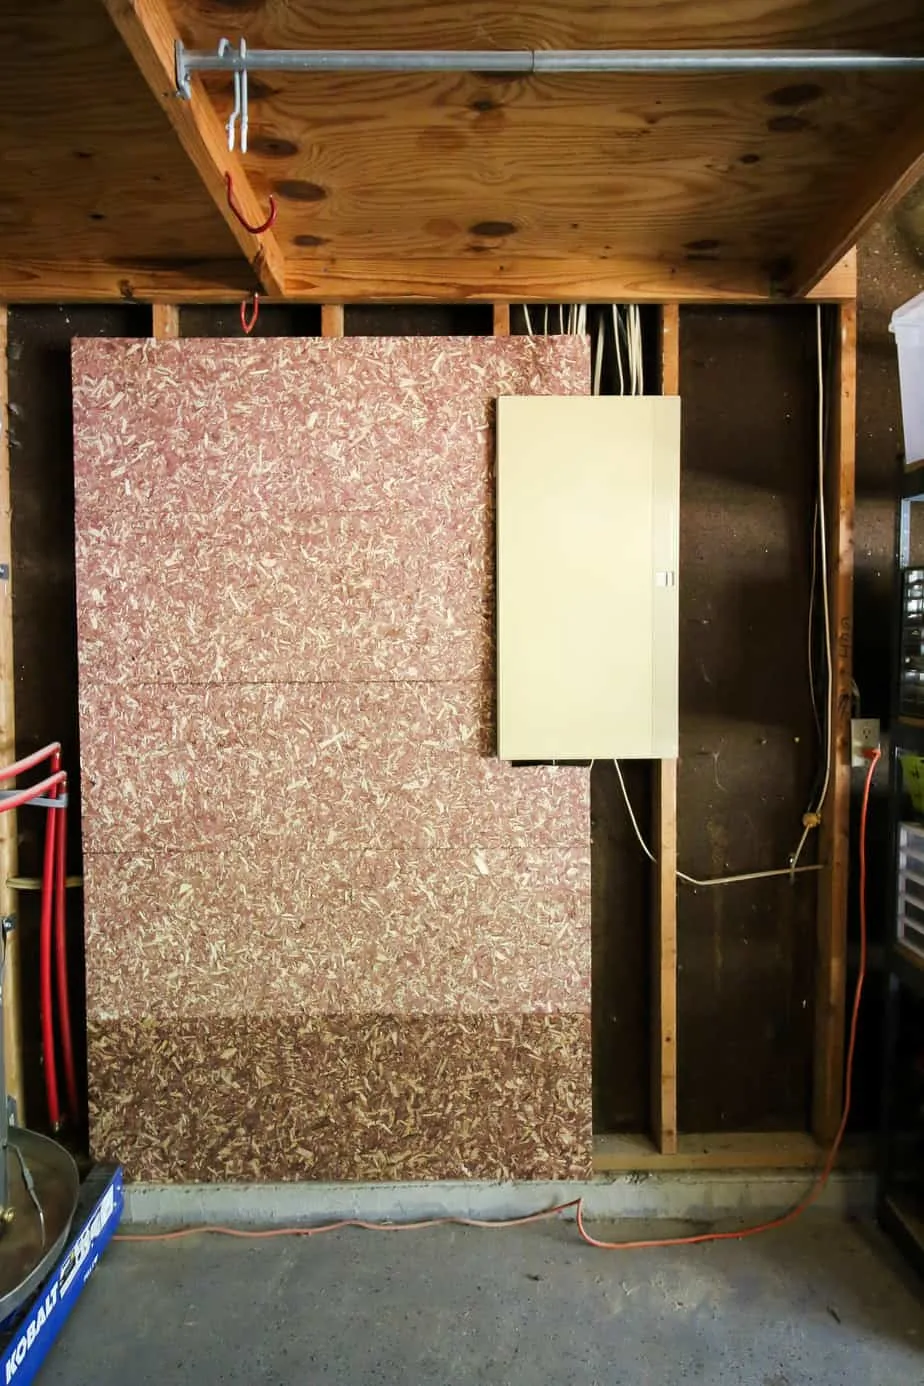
577 1203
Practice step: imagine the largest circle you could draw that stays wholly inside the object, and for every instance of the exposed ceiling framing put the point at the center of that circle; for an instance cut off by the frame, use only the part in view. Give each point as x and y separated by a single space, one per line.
444 185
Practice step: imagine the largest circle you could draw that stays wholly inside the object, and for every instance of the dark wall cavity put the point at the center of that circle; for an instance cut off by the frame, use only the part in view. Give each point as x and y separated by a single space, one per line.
749 753
44 622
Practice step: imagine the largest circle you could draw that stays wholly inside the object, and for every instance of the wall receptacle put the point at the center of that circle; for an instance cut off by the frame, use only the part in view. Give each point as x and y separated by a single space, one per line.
864 736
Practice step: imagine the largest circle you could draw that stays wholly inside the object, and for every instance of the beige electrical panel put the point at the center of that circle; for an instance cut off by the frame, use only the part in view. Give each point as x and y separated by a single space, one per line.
588 496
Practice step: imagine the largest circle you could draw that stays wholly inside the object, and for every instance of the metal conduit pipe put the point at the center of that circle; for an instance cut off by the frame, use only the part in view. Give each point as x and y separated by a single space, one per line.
670 60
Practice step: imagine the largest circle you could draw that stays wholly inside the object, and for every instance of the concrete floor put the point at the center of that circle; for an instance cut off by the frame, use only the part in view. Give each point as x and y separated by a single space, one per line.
821 1303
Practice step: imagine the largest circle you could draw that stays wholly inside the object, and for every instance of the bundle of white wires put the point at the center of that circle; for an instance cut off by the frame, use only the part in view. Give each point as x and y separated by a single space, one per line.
627 341
627 338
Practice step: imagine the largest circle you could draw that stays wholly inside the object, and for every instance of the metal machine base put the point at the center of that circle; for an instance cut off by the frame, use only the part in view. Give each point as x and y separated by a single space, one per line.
46 1295
30 1244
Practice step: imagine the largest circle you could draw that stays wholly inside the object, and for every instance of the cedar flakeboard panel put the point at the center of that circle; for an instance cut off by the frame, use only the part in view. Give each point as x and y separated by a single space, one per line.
344 946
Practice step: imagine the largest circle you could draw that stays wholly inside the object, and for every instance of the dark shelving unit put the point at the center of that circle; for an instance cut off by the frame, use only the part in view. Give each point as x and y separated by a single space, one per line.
901 1170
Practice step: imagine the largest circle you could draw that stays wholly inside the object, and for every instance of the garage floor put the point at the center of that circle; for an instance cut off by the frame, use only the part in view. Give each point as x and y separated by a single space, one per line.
823 1302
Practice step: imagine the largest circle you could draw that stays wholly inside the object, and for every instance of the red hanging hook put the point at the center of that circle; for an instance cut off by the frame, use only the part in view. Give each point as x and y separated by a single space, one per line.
254 230
249 323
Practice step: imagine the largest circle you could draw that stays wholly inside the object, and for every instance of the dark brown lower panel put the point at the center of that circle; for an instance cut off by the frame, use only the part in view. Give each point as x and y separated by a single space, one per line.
343 1097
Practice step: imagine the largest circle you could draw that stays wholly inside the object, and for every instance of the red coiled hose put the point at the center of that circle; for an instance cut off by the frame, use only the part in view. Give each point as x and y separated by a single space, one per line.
52 923
46 1004
64 1005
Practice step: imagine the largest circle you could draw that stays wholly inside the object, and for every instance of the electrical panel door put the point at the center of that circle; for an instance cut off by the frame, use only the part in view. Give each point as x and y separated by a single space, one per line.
588 493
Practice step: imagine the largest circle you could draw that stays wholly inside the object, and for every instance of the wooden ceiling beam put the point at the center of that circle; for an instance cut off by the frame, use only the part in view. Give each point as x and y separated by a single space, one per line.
885 179
476 280
149 34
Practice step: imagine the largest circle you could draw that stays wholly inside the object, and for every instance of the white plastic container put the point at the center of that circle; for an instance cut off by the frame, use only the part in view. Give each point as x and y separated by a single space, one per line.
907 326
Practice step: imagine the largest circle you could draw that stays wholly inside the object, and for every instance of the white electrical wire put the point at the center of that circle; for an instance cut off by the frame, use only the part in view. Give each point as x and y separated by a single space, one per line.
635 322
812 817
529 326
622 383
634 343
695 880
598 363
813 693
630 346
630 349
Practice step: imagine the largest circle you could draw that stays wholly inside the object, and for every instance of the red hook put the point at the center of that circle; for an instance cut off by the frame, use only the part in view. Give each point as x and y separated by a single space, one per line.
250 323
254 230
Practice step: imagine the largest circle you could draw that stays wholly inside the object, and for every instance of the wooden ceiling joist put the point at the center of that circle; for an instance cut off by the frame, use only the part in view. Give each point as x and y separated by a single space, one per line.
887 178
442 186
150 35
225 281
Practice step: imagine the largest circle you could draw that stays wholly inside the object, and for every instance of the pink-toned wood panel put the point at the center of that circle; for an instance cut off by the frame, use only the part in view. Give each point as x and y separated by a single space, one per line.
327 933
360 595
462 931
263 427
326 766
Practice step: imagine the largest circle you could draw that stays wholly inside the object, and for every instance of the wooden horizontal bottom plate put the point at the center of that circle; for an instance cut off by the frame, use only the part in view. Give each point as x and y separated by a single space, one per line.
727 1150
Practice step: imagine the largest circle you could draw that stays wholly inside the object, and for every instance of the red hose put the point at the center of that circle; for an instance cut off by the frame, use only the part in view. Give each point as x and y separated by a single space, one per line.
53 886
46 1006
19 767
35 791
873 757
64 1006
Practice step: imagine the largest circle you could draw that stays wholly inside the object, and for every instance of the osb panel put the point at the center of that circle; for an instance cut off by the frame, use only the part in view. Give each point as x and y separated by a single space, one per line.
348 596
318 429
207 512
358 1097
469 930
331 766
349 931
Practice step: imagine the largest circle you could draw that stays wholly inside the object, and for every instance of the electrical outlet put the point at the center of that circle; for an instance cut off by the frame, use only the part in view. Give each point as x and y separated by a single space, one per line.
864 736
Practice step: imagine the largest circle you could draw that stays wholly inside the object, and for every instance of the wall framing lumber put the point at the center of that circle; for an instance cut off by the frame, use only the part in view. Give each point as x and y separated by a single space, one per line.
12 1004
332 320
839 285
726 1150
149 33
899 165
47 281
494 276
547 281
664 923
502 319
834 846
165 320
